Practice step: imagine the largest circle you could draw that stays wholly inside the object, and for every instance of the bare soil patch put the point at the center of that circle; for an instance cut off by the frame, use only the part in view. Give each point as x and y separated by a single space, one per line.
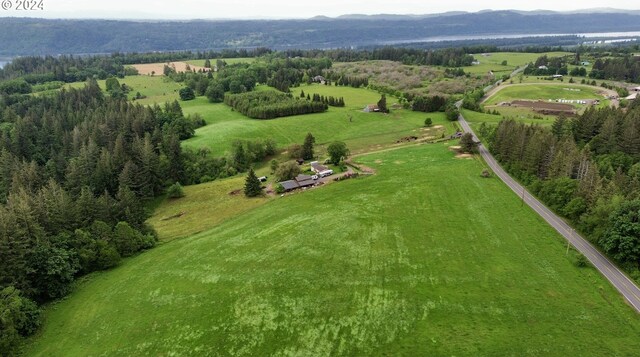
158 68
407 139
464 156
547 108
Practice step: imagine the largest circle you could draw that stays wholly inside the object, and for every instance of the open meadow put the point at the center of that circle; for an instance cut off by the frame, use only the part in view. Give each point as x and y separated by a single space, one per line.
493 61
157 89
361 131
425 258
203 207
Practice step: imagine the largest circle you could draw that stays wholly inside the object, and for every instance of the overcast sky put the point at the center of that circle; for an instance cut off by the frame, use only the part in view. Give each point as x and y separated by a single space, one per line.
242 9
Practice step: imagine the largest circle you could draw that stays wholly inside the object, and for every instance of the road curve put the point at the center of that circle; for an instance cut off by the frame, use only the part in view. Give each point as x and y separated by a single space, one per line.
620 281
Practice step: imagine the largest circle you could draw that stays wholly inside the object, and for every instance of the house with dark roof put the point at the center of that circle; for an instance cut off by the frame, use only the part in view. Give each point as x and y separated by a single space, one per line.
300 181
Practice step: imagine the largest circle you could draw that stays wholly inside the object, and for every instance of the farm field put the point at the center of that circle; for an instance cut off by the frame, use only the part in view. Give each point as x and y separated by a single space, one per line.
157 69
423 258
493 61
365 131
545 91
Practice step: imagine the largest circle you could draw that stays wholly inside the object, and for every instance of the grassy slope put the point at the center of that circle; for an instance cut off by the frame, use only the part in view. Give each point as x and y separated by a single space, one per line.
424 258
514 59
204 206
366 131
158 89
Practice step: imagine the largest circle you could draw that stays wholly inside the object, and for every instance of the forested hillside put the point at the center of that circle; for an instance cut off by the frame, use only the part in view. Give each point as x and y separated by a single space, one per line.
39 36
75 170
587 169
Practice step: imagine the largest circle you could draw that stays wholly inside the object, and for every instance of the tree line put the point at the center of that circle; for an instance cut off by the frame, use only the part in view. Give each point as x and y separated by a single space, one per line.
587 169
448 57
329 100
270 105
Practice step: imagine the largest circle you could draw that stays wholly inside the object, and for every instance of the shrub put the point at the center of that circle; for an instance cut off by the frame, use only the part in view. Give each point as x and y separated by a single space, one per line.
187 93
428 122
175 191
581 261
287 171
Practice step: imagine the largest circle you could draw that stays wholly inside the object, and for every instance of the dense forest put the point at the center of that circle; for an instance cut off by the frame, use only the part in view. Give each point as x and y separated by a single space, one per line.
586 169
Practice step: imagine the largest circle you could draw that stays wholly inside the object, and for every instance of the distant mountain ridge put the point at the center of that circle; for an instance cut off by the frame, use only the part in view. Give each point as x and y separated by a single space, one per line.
41 36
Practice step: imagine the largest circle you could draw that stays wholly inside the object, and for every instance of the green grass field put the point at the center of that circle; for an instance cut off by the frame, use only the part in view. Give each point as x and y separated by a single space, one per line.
203 207
524 116
493 61
544 92
158 89
365 131
425 258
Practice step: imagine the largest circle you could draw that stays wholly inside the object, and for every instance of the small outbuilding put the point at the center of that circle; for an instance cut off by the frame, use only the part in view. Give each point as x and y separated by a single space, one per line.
317 168
371 108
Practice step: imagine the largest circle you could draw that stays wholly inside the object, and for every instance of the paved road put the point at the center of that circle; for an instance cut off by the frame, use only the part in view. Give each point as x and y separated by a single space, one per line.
620 281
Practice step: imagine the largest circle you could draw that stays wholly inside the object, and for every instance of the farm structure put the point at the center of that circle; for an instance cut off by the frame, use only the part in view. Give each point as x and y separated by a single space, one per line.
321 170
371 108
300 181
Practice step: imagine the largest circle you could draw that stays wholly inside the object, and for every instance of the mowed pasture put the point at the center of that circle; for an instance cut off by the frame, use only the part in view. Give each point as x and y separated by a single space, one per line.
475 119
361 131
425 258
493 61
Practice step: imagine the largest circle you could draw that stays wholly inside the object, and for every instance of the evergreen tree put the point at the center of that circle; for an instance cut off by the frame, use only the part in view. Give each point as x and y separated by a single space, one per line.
467 143
382 104
307 147
252 186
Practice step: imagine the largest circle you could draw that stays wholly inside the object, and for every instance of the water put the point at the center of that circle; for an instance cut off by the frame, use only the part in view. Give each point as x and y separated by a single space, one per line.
631 34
